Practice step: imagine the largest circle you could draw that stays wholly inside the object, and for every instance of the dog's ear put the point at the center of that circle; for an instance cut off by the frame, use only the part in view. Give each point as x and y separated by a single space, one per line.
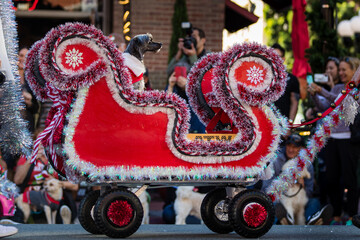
137 40
150 37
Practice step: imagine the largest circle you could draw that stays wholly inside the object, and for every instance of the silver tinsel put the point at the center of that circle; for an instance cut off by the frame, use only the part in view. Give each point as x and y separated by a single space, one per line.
14 136
8 188
351 107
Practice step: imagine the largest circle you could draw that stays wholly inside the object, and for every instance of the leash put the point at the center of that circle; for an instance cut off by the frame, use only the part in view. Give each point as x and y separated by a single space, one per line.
291 196
337 102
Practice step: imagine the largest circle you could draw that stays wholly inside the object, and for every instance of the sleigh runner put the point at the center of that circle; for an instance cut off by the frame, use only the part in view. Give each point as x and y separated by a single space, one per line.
100 129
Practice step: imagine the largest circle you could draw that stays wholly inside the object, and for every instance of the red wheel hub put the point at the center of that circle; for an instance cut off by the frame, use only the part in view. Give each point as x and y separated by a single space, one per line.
120 212
254 214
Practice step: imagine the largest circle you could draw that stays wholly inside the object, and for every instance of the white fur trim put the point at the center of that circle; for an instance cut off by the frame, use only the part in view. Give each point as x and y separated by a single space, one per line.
134 64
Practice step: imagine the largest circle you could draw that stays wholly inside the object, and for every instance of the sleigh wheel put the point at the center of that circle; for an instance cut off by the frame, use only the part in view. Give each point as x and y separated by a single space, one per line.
118 213
214 211
251 213
86 218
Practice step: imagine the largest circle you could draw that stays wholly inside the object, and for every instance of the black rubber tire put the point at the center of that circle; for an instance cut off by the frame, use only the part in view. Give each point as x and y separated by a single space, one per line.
84 213
237 205
106 225
208 212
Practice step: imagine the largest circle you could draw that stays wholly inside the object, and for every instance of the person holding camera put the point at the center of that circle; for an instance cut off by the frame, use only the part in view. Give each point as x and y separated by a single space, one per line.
341 152
327 80
190 49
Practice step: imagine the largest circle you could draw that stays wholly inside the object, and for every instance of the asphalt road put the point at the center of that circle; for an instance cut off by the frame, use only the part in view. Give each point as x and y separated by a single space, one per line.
193 232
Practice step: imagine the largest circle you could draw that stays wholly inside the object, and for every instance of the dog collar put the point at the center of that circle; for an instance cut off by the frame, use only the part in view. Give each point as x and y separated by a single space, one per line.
50 200
134 64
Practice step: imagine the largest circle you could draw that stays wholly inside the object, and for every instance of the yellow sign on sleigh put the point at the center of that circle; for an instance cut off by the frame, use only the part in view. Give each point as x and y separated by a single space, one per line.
211 137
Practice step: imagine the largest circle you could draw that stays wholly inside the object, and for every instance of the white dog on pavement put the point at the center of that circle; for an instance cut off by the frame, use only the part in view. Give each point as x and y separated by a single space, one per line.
294 199
187 202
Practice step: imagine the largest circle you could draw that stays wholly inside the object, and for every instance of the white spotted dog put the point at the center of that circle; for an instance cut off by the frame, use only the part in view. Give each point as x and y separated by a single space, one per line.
187 202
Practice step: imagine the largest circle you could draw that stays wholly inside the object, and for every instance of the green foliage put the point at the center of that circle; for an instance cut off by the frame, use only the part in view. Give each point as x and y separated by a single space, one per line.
180 15
324 41
278 30
346 9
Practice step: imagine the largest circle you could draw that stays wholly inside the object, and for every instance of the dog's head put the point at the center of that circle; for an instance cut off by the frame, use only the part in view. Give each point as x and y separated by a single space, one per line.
52 185
184 191
140 44
291 163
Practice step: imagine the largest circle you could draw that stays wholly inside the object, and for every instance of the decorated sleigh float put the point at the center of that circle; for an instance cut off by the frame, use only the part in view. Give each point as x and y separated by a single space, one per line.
101 130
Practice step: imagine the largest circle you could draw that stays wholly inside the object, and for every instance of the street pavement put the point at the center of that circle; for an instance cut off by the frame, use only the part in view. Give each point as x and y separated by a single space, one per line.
193 232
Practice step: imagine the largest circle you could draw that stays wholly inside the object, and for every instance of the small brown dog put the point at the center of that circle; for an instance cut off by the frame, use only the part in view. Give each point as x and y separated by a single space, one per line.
47 199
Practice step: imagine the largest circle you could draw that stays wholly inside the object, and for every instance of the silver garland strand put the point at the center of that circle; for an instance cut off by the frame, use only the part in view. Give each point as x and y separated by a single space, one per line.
351 108
14 136
8 188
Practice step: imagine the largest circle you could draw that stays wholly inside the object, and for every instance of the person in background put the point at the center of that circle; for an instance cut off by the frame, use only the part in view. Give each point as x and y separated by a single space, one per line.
332 70
32 105
314 214
318 105
188 56
332 74
288 102
340 153
177 85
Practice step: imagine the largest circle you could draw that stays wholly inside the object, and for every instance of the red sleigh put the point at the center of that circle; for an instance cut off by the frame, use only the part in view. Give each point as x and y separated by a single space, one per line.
103 131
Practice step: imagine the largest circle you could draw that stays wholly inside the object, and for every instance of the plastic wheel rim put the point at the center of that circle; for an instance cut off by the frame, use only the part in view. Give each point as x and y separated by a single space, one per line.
221 211
254 214
120 213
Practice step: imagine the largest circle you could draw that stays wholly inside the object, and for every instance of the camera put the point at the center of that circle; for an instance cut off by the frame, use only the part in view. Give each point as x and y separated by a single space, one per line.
188 39
320 78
